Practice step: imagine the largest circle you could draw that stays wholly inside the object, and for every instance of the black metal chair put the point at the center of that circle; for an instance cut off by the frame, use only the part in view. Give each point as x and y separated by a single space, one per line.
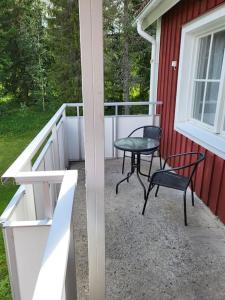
152 132
168 178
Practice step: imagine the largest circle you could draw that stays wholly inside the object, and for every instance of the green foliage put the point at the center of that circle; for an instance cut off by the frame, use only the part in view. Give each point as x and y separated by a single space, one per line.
40 52
137 64
40 69
63 30
23 45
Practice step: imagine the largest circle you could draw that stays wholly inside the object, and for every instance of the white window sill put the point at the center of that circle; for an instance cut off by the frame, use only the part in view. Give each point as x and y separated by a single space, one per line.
210 141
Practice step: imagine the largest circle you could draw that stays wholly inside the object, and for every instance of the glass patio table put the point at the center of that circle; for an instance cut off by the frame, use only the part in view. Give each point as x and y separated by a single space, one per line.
137 146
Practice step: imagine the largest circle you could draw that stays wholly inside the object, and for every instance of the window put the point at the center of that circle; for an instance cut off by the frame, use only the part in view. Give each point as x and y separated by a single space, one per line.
200 103
207 79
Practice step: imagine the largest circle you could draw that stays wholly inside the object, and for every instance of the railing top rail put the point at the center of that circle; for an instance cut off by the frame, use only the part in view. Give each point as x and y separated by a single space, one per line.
33 147
130 103
12 204
36 143
40 176
51 278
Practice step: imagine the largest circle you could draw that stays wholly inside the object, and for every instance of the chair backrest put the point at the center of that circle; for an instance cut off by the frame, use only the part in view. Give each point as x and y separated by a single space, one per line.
195 159
152 132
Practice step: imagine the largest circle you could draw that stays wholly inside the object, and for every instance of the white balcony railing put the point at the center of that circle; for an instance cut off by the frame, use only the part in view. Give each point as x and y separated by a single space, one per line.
37 222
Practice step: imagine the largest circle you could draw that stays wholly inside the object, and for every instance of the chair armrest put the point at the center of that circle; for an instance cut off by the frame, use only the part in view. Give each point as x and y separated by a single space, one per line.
179 155
170 170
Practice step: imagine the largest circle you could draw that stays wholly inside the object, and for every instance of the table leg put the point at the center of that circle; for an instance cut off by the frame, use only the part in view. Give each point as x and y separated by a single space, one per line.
129 173
132 169
138 172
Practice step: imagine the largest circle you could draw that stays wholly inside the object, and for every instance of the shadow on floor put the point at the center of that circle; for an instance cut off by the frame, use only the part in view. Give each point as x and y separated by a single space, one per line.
152 257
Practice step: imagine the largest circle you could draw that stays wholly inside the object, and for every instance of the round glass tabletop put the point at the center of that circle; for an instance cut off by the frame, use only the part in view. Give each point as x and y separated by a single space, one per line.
136 144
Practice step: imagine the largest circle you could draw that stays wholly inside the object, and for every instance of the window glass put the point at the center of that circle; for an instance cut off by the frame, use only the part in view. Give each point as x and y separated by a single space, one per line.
208 75
217 53
210 102
198 100
203 57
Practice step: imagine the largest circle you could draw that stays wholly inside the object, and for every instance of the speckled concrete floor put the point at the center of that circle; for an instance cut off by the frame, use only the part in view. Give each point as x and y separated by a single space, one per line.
152 257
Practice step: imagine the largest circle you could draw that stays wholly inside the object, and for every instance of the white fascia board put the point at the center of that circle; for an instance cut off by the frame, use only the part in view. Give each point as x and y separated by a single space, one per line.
154 10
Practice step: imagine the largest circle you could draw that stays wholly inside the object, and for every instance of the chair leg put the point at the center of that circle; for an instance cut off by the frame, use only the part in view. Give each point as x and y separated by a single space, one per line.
147 195
123 162
160 160
157 190
150 167
185 210
192 194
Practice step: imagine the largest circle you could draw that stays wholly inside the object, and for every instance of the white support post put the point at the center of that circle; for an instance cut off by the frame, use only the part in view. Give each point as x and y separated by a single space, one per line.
91 35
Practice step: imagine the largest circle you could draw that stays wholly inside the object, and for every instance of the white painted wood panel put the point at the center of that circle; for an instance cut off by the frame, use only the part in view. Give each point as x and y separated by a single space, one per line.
73 138
30 242
115 127
51 278
109 137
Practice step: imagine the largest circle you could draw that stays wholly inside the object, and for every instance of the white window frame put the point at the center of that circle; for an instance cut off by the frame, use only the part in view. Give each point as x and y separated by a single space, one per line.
210 137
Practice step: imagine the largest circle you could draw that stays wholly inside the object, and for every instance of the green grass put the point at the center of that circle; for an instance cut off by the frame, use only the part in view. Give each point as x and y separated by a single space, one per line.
17 129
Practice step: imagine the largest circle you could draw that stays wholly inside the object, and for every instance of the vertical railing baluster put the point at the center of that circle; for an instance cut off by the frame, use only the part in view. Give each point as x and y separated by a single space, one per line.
48 204
116 128
55 147
79 133
29 195
65 140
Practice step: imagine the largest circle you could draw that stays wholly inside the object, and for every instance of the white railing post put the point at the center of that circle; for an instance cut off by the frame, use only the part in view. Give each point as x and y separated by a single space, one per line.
11 262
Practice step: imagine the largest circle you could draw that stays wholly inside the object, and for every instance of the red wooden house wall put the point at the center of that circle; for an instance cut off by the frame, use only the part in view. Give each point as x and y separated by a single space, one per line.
209 182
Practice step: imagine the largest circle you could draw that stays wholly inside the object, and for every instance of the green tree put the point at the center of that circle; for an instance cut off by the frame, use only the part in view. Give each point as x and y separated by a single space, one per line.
63 30
25 57
127 55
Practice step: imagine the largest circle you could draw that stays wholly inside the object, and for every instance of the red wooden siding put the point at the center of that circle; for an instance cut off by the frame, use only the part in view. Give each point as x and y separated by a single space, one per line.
209 181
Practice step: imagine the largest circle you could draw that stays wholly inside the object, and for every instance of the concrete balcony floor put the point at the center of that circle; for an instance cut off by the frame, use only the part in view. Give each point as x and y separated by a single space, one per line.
152 257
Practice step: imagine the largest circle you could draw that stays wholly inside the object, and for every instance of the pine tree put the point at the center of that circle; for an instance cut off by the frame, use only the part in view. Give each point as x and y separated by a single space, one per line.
63 30
24 54
127 55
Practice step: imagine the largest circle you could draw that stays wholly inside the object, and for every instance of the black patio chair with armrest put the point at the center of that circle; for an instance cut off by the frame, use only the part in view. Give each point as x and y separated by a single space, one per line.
149 131
168 178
